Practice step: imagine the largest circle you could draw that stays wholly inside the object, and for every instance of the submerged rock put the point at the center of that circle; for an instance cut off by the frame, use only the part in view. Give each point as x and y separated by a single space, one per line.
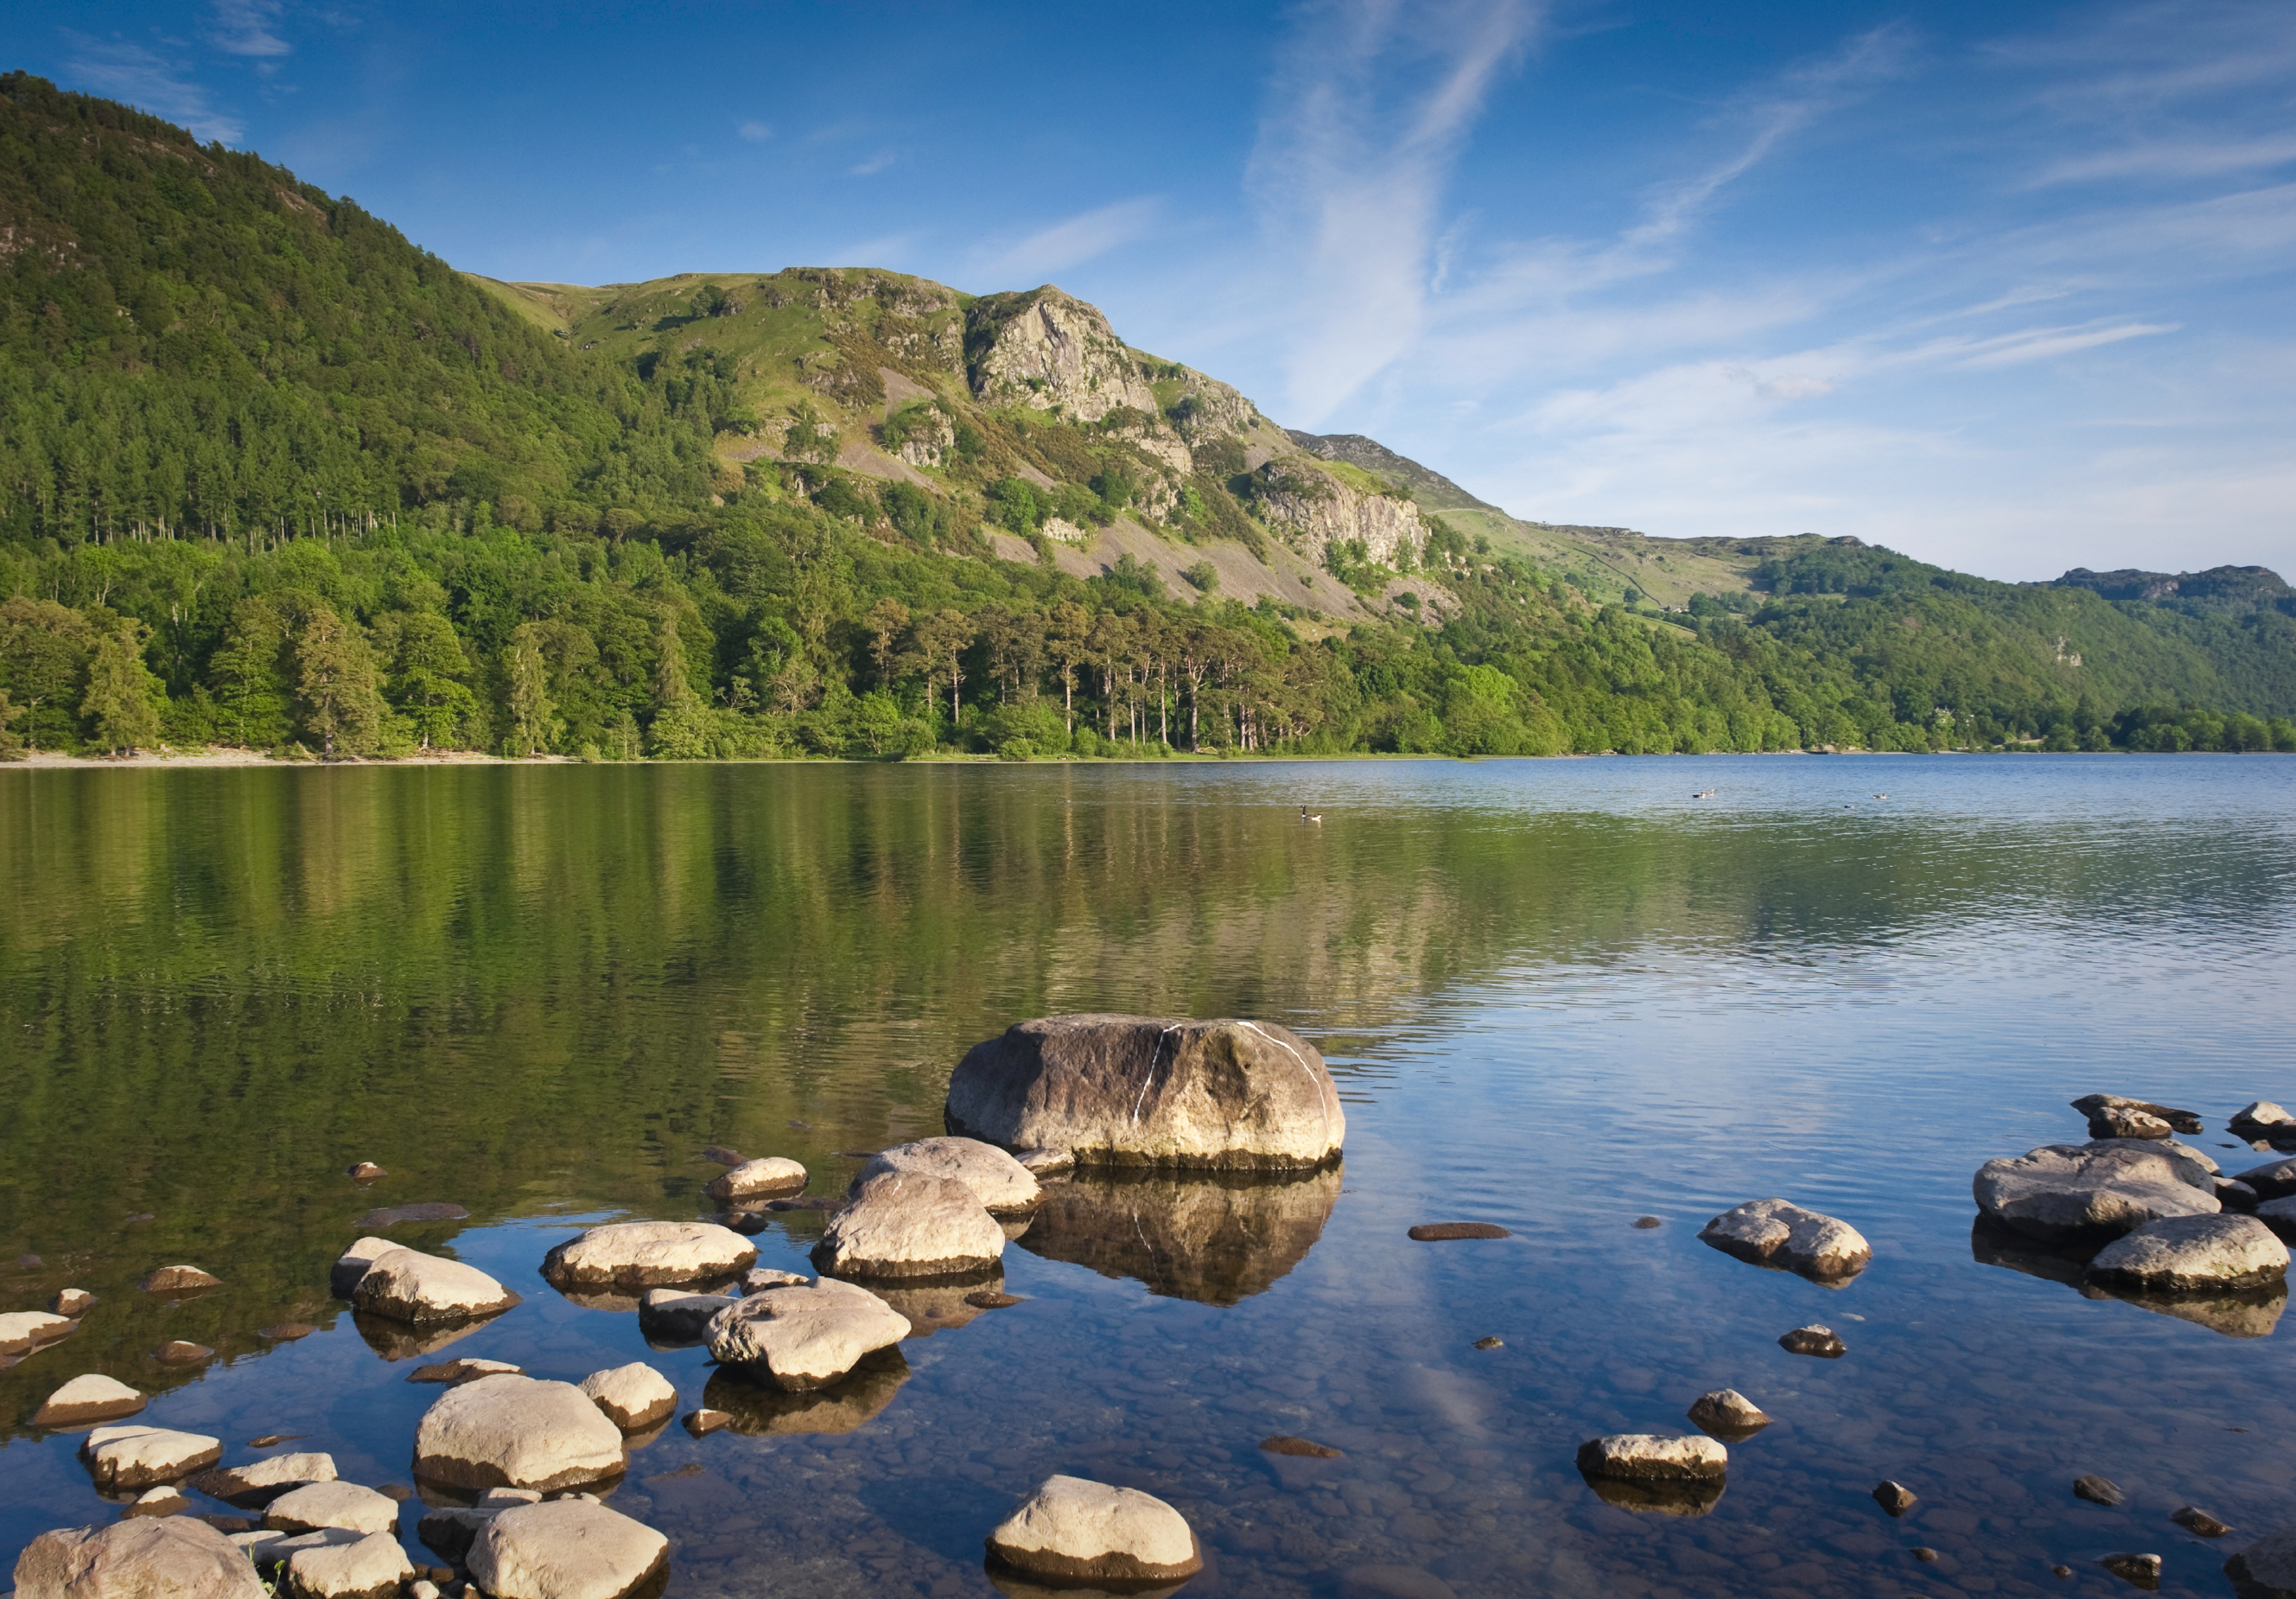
648 1254
89 1398
396 1214
1305 1448
401 1285
753 1179
1074 1530
1822 1341
566 1549
171 1558
1215 1237
908 1224
2199 1522
2098 1490
1444 1232
1003 1185
634 1397
124 1458
507 1432
2069 1191
1393 1582
1141 1091
180 1351
2185 1254
1775 1233
1728 1414
2142 1569
806 1338
260 1481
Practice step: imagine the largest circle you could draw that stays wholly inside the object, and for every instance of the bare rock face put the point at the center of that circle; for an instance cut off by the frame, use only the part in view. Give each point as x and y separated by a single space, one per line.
125 1458
371 1568
2184 1254
155 1558
1002 1185
89 1397
24 1331
1773 1232
344 1505
1045 351
907 1225
2069 1191
2265 1569
259 1482
1728 1414
1072 1530
1152 1091
807 1338
648 1254
751 1178
511 1431
634 1397
566 1549
1312 510
1214 1237
401 1285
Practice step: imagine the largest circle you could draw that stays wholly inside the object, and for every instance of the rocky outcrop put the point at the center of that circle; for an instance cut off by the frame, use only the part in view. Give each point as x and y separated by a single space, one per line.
634 1397
565 1549
175 1557
2069 1191
122 1459
406 1285
1312 511
648 1254
1214 1237
89 1397
904 1224
516 1432
1073 1530
1003 1185
1151 1091
2186 1254
1046 351
1775 1233
806 1338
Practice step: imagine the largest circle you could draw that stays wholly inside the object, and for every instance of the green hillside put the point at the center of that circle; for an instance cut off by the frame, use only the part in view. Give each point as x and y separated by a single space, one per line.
272 476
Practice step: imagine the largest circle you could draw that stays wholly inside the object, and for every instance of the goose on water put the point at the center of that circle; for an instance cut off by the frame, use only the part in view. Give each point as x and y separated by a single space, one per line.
1705 794
1304 817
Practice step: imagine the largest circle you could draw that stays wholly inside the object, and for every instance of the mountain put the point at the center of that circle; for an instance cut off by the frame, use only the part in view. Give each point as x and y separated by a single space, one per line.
272 475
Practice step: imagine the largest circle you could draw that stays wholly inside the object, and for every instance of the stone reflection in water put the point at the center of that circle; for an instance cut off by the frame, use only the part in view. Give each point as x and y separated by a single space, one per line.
1014 1587
1214 1237
761 1410
396 1341
934 1306
2253 1312
1689 1498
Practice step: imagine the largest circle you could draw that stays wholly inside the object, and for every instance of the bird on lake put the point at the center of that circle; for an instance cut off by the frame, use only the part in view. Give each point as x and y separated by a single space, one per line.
1881 796
1705 794
1304 817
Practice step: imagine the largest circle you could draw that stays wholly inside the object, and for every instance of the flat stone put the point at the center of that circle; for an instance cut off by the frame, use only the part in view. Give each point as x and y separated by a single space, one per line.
465 1369
1151 1091
673 1316
177 1279
73 1302
1284 1444
396 1214
122 1458
704 1422
23 1331
634 1397
1647 1457
2143 1570
2190 1253
1895 1498
1728 1414
1774 1231
759 1278
770 1174
906 1224
89 1398
1816 1339
2098 1490
1444 1232
345 1504
166 1500
2199 1522
182 1351
1392 1582
807 1338
2065 1192
147 1558
514 1432
260 1481
566 1549
2265 1569
1001 1183
1046 1162
648 1254
1075 1530
406 1285
372 1568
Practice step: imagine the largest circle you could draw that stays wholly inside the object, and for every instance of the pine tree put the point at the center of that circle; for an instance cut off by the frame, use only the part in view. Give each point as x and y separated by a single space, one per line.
534 723
681 728
427 668
123 695
11 747
250 675
335 683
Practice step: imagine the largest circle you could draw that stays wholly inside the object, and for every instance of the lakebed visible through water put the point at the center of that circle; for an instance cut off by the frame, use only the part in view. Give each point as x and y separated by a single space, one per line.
1556 995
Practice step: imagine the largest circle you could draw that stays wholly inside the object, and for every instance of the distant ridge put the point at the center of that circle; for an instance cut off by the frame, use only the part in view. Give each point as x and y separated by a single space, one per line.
2218 588
1429 487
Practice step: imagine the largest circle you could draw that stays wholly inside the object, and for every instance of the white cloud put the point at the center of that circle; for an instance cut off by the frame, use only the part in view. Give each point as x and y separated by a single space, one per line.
120 70
1081 238
2040 344
872 164
756 133
244 27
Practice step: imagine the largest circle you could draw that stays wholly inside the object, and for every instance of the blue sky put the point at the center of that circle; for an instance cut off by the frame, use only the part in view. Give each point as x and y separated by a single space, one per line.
2007 288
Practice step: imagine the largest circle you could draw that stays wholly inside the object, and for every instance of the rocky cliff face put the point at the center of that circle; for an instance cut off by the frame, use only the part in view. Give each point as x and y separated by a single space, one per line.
1311 513
1045 350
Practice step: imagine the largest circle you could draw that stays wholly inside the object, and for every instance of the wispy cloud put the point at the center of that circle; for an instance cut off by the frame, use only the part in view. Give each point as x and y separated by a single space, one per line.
1081 238
871 166
127 71
244 27
755 133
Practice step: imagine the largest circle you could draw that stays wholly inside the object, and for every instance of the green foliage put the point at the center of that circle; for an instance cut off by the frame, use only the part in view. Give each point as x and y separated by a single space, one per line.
1203 576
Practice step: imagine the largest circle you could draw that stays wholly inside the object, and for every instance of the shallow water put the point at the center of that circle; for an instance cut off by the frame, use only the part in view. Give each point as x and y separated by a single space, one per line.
1557 995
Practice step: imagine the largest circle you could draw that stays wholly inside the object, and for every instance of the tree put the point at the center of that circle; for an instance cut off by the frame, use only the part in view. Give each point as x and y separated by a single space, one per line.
884 622
249 674
681 729
427 671
11 747
336 685
941 641
1069 642
43 657
123 695
533 723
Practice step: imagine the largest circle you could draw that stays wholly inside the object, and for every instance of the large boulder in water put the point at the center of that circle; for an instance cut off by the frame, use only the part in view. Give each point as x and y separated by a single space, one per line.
512 1432
904 1224
565 1549
805 1338
2186 1254
1775 1233
1074 1530
2101 1189
1151 1091
179 1557
407 1285
1214 1237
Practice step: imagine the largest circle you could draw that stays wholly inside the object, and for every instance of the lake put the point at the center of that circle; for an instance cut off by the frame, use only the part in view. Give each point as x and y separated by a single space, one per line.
1558 996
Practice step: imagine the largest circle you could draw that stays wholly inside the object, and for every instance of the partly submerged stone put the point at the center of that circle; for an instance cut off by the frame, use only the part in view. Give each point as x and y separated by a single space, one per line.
2070 1191
344 1505
1003 1185
165 1500
1151 1091
507 1432
89 1398
1728 1414
2265 1569
182 1351
1774 1231
372 1568
69 1301
1816 1340
1074 1530
1446 1231
177 1557
1648 1457
2099 1108
259 1482
1895 1497
753 1179
648 1254
407 1285
2183 1254
2142 1569
124 1458
2197 1522
24 1331
2261 1119
755 1406
2099 1490
805 1338
634 1397
178 1279
565 1549
904 1224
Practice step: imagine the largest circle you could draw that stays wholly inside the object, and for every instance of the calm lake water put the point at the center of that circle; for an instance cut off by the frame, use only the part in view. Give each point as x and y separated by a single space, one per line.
1557 995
